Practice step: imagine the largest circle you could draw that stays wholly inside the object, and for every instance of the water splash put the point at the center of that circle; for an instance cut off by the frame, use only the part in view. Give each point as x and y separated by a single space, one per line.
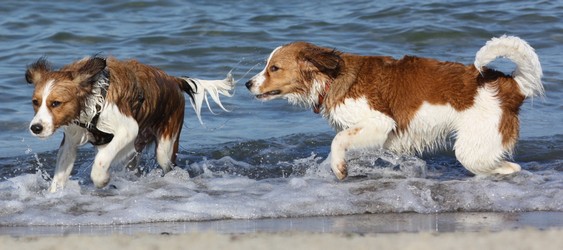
273 182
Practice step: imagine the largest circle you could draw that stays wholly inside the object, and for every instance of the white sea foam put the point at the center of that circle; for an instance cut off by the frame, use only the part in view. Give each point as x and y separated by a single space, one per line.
394 184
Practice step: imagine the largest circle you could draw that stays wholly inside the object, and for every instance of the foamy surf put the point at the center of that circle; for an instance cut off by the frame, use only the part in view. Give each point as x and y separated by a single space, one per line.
226 188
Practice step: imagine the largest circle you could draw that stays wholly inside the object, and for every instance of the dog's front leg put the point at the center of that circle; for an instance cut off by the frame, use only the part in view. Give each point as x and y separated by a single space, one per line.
124 129
74 137
369 133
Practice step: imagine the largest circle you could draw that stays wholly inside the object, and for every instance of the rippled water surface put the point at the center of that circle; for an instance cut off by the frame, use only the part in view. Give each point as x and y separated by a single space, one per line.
263 160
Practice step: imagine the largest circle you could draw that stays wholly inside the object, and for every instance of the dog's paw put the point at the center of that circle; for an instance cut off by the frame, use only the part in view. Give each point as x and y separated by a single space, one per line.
101 182
100 178
507 168
340 170
55 186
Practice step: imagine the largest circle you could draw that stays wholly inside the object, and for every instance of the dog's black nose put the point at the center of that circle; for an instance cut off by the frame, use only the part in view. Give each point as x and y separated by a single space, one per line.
249 84
36 128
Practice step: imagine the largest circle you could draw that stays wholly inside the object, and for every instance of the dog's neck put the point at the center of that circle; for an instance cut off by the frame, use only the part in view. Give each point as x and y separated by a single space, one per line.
94 102
321 96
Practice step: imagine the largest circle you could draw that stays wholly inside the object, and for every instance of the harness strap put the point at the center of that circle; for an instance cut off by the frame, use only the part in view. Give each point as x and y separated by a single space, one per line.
100 137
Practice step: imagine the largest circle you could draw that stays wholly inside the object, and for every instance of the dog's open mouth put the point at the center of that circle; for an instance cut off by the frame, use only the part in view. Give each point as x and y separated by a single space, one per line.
268 94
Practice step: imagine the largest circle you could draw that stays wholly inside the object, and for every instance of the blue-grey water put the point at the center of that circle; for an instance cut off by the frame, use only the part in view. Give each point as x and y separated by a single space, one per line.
268 160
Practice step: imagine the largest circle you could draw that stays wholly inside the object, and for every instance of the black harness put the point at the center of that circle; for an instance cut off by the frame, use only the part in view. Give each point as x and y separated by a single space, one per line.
99 137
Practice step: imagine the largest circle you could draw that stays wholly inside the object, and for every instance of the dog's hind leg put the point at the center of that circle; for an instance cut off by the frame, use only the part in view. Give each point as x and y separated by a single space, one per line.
168 140
483 155
480 145
166 149
369 133
144 138
133 161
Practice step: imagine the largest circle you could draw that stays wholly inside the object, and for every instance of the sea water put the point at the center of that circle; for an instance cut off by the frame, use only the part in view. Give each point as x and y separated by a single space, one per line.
268 160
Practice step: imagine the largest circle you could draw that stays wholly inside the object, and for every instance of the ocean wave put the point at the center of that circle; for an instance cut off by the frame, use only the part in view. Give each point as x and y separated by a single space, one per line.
267 179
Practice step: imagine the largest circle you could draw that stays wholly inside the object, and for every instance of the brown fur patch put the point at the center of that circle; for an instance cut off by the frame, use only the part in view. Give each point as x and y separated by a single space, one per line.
149 95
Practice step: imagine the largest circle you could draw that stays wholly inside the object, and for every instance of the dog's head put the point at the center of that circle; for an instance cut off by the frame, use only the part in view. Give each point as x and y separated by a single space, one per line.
59 95
297 71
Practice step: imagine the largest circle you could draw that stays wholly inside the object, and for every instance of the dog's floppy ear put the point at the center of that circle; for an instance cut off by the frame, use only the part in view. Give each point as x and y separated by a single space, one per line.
325 60
36 70
88 73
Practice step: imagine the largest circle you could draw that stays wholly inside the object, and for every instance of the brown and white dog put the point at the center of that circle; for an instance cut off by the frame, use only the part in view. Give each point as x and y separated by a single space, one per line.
411 105
119 106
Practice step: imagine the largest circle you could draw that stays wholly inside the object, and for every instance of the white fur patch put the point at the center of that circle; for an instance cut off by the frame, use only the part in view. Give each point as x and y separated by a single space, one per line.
44 116
354 111
307 101
164 152
258 80
95 101
427 131
478 143
111 119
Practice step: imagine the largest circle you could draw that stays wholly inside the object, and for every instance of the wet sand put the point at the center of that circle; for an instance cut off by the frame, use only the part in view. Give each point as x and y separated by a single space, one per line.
530 230
512 239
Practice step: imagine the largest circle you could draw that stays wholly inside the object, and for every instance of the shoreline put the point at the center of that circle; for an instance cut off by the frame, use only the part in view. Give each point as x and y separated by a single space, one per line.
347 224
511 239
526 230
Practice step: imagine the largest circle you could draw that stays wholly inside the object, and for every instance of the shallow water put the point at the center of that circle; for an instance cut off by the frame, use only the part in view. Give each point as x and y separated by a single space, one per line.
344 224
268 160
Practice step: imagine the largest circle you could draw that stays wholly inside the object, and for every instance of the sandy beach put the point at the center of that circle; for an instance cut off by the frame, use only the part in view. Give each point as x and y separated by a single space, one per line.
511 239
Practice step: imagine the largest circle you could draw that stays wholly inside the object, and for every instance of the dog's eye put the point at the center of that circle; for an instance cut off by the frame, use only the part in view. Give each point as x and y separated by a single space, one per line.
35 102
274 68
55 104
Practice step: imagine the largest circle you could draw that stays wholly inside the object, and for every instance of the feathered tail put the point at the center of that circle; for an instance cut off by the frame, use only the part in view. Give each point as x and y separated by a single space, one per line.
528 71
197 89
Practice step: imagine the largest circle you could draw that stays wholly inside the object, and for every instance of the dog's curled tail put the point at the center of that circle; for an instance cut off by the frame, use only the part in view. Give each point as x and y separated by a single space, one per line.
528 70
197 89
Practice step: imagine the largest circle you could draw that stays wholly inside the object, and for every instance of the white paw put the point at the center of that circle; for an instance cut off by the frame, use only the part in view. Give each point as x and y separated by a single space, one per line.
338 165
340 170
56 186
507 168
100 177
